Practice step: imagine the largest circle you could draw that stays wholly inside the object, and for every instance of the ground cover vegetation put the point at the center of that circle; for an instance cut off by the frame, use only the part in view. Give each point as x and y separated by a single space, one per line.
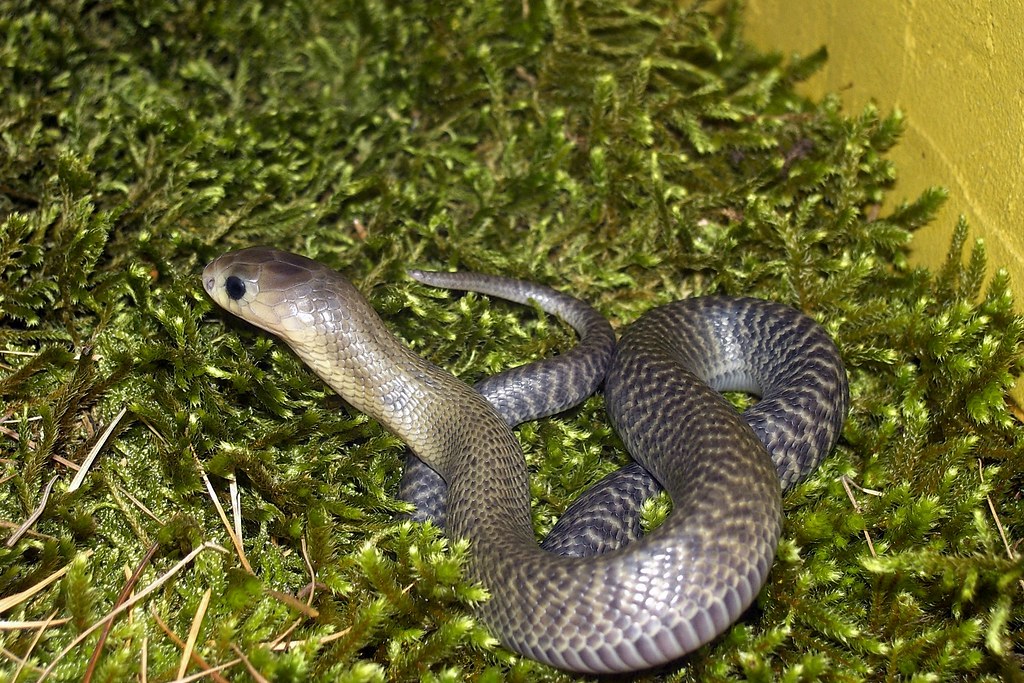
239 515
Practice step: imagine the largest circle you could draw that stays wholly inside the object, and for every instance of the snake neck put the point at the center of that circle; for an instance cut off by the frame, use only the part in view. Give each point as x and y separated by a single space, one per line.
391 385
453 429
443 420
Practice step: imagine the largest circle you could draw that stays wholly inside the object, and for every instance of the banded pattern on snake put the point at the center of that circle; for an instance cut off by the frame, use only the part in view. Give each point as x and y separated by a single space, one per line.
627 608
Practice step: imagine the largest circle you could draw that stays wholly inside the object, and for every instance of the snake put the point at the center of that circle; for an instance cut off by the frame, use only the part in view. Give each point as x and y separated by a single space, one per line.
620 605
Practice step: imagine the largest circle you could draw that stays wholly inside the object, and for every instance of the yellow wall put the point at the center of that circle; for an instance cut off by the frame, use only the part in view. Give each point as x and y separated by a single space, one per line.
956 69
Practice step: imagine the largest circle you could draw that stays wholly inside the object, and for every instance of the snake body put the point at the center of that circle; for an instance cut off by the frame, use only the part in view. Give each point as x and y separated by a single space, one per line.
630 607
524 393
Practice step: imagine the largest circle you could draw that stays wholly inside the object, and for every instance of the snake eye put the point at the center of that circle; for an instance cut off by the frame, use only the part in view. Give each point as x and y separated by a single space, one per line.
235 287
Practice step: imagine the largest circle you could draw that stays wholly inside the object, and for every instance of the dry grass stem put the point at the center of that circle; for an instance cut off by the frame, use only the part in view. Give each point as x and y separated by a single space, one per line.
212 672
139 504
13 539
25 625
999 524
196 657
847 484
32 646
279 647
185 561
236 511
236 539
193 632
18 598
294 603
95 451
257 676
129 586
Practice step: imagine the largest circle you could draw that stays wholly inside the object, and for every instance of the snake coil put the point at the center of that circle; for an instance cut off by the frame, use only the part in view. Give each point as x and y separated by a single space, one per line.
629 607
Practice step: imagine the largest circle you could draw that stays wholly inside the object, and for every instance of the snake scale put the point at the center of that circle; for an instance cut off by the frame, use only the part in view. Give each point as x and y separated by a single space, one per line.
620 606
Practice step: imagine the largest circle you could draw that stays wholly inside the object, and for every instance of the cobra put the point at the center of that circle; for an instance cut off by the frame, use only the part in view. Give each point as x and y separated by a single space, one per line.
632 605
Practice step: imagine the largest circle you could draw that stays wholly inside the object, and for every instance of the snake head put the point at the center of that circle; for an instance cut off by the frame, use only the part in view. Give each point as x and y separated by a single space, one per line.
312 308
333 329
285 294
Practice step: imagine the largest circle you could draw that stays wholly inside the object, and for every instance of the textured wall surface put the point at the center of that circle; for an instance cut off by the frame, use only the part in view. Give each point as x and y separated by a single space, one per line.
954 68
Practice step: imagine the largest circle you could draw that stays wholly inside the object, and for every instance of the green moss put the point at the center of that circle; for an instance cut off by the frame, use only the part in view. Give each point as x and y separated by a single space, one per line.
630 155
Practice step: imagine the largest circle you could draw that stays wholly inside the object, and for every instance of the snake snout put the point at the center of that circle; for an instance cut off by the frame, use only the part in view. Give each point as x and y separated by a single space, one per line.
209 281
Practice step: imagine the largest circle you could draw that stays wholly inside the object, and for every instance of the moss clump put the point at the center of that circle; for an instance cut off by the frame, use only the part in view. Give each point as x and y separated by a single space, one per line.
629 154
